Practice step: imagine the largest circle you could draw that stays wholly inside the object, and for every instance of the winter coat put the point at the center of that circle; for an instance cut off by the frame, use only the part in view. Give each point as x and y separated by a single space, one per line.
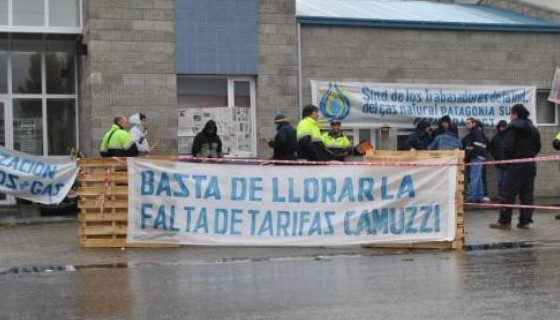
284 143
474 144
522 140
207 143
138 133
497 147
419 140
445 141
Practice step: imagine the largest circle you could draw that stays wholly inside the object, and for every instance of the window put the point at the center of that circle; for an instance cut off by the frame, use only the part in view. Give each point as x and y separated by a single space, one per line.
242 94
64 16
235 124
3 12
202 92
60 72
61 124
29 12
28 126
545 110
41 101
3 72
64 13
26 72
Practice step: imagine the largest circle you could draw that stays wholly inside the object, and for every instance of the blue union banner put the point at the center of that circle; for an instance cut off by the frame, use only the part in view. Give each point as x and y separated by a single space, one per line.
362 104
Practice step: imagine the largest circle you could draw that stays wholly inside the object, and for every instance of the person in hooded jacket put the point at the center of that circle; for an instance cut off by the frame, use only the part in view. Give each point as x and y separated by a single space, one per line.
497 150
207 143
139 130
421 138
522 140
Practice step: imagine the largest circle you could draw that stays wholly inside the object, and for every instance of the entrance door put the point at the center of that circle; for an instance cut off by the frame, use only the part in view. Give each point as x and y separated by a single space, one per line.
4 199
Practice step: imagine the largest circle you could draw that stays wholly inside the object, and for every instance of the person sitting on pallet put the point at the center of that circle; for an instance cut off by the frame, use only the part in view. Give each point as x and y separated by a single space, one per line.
118 142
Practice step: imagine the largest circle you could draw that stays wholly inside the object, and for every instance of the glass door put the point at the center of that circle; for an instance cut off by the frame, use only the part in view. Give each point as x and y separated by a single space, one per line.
4 199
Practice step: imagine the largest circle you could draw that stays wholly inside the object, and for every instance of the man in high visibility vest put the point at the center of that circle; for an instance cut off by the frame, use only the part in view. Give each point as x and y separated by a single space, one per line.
118 142
310 143
336 142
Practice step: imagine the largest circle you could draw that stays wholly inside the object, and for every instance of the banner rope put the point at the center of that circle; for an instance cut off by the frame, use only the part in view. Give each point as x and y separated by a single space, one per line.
359 163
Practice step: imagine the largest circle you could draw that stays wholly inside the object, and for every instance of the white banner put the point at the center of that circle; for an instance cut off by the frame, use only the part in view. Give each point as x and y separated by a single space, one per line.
39 179
360 104
247 205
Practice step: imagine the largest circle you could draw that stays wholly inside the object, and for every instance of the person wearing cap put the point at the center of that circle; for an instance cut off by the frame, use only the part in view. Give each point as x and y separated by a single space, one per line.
138 131
336 142
285 140
497 150
310 143
522 141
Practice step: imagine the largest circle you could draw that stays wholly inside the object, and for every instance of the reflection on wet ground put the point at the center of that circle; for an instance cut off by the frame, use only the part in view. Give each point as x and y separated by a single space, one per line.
479 284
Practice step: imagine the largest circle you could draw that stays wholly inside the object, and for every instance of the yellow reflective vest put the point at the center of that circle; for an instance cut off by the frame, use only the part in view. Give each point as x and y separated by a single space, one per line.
118 142
309 127
336 142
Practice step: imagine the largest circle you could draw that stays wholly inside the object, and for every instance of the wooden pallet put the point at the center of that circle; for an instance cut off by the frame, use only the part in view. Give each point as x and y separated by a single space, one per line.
400 156
103 217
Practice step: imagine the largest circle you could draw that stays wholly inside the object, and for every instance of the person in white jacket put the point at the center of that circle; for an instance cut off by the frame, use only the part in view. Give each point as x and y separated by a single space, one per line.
138 131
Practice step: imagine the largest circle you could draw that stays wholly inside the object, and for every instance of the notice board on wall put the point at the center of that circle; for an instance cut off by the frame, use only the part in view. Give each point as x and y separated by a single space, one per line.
233 124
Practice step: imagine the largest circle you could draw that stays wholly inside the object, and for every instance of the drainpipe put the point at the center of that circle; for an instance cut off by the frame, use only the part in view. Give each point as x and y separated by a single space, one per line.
299 84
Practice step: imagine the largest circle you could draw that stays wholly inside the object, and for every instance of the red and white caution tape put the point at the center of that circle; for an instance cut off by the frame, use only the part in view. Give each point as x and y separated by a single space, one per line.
513 206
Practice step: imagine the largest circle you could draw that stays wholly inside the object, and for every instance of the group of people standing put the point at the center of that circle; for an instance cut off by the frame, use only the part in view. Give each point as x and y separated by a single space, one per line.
306 142
518 139
127 137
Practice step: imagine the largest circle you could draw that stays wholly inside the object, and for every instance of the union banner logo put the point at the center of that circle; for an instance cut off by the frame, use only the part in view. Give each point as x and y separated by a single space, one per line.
334 104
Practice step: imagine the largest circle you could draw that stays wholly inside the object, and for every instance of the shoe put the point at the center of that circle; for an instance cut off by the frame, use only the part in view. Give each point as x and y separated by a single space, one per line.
501 226
557 217
524 226
485 200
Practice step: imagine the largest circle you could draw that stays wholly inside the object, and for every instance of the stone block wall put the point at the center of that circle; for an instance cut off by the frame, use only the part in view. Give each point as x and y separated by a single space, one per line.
129 68
434 57
277 74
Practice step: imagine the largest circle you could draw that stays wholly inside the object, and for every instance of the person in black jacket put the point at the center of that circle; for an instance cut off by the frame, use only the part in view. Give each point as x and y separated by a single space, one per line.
497 150
285 140
421 138
207 143
522 140
474 144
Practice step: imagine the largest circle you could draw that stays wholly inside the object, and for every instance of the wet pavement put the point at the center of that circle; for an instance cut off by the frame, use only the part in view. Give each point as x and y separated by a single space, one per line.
56 243
44 274
489 284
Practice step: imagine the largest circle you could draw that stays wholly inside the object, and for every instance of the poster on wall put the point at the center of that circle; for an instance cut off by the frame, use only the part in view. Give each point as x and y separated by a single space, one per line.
233 128
362 104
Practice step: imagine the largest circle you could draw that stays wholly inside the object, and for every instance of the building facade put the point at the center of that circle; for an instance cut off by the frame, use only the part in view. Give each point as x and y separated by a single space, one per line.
68 67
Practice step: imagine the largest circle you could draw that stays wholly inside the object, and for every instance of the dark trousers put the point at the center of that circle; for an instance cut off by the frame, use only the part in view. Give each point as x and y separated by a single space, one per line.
519 180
